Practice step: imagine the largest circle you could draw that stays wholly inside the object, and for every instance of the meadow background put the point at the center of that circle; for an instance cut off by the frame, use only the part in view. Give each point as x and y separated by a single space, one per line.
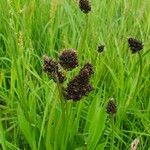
30 115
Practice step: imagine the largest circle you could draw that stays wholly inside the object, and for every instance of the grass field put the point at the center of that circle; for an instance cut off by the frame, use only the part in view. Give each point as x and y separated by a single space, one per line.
33 115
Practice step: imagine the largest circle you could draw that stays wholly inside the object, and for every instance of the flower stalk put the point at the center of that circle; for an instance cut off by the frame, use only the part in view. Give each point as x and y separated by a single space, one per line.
111 110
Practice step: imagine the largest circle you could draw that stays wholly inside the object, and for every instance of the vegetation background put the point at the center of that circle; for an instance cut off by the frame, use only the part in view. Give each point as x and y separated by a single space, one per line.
30 113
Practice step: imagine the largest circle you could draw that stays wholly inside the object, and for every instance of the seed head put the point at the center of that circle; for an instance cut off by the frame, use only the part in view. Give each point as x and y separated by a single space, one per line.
101 48
85 73
111 107
85 6
88 67
68 59
135 45
50 66
52 69
79 86
76 91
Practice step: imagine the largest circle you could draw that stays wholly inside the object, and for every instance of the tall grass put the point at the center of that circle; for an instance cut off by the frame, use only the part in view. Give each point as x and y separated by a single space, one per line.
30 111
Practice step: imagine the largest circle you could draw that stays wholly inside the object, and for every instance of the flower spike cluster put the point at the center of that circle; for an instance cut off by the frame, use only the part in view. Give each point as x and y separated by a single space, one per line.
80 85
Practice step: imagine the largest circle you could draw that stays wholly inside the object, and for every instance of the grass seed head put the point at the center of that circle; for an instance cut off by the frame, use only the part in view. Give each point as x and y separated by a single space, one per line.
68 59
85 6
135 45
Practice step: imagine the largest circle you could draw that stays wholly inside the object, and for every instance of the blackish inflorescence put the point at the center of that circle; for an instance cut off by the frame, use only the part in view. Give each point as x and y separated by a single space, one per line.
80 86
85 6
50 66
111 107
52 69
88 67
68 59
100 48
135 45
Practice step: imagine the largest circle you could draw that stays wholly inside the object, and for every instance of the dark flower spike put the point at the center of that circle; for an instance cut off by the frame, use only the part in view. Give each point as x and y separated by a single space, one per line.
135 45
85 73
76 92
52 69
85 6
79 86
89 67
68 59
50 66
111 107
100 48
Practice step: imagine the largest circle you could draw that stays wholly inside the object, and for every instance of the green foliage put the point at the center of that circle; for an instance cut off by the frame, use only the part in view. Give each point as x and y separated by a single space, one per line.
31 114
26 128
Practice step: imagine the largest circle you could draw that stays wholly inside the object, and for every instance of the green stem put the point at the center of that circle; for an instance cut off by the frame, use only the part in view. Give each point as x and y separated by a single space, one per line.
60 94
61 98
140 73
61 126
112 121
84 33
143 55
52 113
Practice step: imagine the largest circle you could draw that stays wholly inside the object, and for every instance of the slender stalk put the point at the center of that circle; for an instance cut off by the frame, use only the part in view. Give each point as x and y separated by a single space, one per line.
112 122
143 55
52 113
84 33
60 128
61 98
140 73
